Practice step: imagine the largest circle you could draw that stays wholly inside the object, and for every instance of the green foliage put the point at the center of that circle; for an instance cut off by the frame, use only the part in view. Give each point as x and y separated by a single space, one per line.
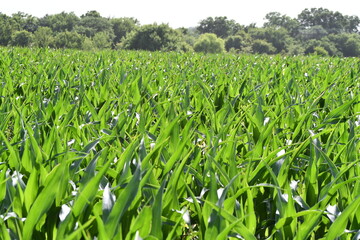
276 20
295 49
92 23
43 37
321 51
88 44
153 37
325 44
239 43
348 44
68 40
221 26
6 29
315 32
332 22
102 40
351 47
23 21
209 43
123 26
279 38
130 145
262 46
60 22
288 35
22 38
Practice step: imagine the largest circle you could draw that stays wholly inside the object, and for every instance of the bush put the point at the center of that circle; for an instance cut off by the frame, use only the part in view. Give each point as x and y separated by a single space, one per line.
68 40
88 44
320 51
236 43
102 40
209 43
295 49
153 37
43 37
352 47
325 44
262 46
22 38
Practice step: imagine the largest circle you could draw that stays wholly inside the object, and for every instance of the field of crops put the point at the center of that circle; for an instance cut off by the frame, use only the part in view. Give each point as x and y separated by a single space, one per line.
139 145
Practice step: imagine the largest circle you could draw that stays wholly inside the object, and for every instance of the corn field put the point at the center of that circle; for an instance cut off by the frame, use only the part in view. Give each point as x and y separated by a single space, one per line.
139 145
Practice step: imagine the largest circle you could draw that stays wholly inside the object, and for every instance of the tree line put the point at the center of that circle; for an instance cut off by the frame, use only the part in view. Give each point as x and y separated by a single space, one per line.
314 31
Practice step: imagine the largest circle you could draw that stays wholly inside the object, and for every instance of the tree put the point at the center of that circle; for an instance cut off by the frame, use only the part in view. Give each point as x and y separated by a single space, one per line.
43 37
88 44
352 24
153 37
122 26
352 46
6 29
320 51
276 20
102 40
316 46
315 32
23 21
60 22
295 49
220 26
209 43
348 44
92 23
332 22
279 38
262 46
239 42
68 40
22 38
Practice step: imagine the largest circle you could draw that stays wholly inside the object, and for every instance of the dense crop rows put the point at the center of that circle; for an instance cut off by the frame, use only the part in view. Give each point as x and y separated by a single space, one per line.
166 145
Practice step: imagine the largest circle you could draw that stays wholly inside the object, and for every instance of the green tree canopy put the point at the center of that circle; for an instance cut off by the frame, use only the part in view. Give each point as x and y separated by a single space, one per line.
314 45
102 40
23 21
263 47
314 32
221 26
209 43
60 22
348 44
92 23
68 40
22 38
153 37
6 29
276 20
43 37
279 38
239 42
333 22
122 26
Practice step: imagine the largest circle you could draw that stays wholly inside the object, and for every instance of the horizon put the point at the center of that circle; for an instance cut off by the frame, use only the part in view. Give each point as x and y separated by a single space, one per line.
173 14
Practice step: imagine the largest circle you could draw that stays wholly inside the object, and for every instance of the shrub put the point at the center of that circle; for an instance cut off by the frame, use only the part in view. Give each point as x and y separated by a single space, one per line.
22 39
209 43
153 37
262 46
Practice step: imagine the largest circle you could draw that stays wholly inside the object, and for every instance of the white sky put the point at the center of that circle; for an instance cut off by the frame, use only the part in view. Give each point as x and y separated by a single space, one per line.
184 13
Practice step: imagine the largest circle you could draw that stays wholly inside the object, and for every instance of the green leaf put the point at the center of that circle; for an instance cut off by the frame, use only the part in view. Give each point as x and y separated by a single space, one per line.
156 226
122 204
44 201
339 225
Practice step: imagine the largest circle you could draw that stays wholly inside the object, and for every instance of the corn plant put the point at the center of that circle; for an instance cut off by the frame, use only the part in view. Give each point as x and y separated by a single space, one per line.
139 145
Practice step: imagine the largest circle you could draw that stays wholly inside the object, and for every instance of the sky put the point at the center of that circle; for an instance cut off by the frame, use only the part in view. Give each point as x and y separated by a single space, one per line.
184 13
